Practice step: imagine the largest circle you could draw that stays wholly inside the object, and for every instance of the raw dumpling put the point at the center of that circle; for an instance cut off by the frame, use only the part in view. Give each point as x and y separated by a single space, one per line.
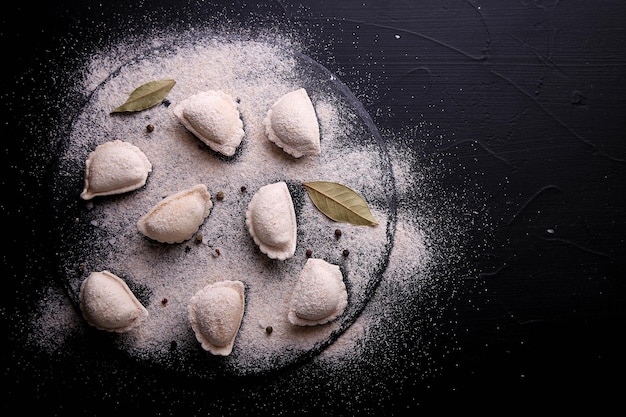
177 217
320 295
108 304
213 117
271 221
113 168
215 313
292 124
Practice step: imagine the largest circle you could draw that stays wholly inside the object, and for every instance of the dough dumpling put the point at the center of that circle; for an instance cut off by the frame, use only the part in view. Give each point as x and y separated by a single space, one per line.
271 221
320 295
177 217
215 313
113 168
213 117
291 123
108 304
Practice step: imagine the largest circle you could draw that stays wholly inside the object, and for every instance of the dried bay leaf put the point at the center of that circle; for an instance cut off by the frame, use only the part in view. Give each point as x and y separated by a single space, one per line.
340 203
145 96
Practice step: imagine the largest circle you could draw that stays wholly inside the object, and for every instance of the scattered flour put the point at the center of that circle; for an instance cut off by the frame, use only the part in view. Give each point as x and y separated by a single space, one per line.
103 233
389 268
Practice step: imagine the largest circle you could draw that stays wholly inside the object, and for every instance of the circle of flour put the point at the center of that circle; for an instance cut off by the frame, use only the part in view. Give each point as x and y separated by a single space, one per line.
102 234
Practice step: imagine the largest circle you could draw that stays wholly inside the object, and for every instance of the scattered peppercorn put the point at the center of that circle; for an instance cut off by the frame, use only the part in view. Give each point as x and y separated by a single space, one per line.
337 233
150 128
220 195
244 188
309 252
346 252
217 252
164 301
269 330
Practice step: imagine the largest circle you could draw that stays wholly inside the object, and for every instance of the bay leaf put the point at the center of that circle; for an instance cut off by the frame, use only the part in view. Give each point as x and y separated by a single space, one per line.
146 96
340 203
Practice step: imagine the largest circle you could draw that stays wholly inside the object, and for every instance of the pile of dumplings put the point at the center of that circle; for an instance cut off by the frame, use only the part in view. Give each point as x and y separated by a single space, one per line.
216 311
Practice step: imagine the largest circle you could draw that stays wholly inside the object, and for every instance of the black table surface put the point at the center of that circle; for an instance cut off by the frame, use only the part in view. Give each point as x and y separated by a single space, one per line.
527 98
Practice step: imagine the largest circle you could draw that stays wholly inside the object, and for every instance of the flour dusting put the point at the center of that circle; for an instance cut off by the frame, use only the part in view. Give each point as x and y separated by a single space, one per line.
395 272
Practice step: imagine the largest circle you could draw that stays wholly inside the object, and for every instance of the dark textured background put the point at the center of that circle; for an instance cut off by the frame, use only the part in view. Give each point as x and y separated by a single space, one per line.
529 95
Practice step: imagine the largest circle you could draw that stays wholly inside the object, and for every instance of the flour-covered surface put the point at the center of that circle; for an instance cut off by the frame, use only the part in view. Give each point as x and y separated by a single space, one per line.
103 233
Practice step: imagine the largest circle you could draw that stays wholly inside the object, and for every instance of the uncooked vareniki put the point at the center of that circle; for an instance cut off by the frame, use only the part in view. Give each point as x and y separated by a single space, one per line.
271 221
108 304
320 295
215 313
291 123
213 117
177 217
113 168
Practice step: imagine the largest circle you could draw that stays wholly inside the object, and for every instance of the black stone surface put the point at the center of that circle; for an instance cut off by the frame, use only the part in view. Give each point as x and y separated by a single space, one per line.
528 95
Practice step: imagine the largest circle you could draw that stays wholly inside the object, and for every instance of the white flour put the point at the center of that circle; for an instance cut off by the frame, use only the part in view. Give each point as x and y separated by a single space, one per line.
257 73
